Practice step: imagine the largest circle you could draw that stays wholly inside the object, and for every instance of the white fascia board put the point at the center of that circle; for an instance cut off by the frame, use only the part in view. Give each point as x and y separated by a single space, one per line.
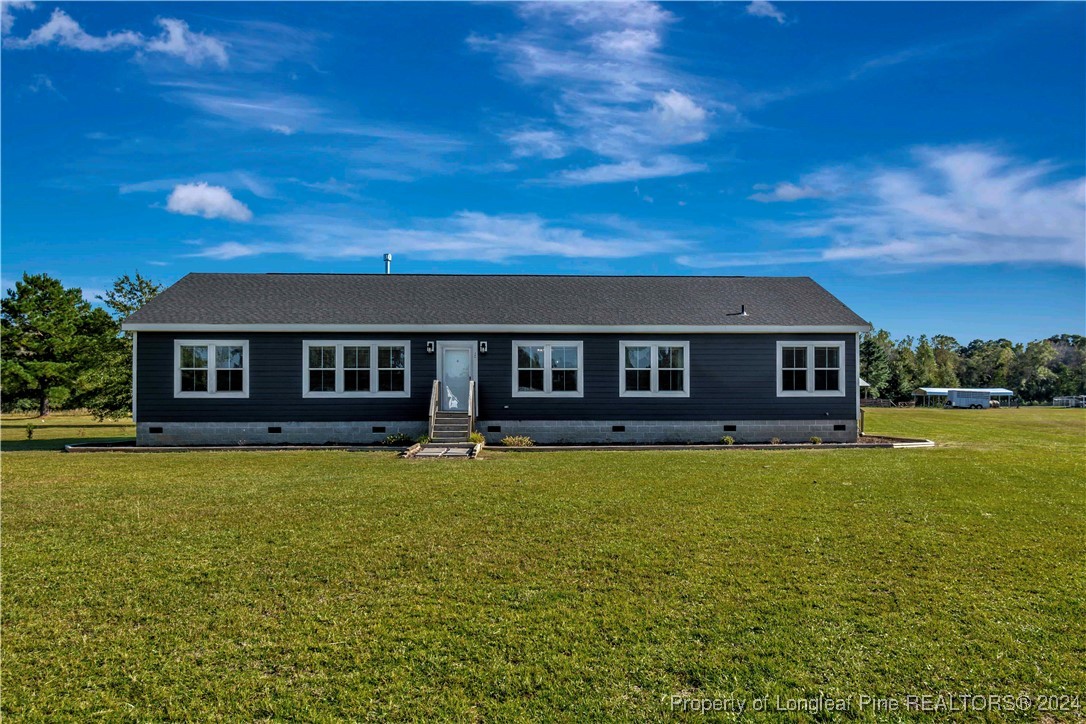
501 328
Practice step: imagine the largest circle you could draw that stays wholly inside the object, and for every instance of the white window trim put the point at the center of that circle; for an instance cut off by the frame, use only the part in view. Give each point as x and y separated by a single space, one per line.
654 378
547 344
211 369
373 344
811 391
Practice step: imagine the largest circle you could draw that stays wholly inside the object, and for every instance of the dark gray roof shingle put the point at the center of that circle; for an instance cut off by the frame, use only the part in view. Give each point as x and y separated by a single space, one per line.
410 299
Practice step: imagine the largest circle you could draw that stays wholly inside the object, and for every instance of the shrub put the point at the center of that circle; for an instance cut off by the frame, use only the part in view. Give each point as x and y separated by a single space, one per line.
29 431
727 440
775 441
517 441
422 439
398 439
476 437
816 440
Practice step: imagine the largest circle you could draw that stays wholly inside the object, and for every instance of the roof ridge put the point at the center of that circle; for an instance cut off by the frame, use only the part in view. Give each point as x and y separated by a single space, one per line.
493 276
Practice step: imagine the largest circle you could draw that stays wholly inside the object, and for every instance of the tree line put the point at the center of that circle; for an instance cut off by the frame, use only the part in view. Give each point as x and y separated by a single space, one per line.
60 351
1036 371
57 350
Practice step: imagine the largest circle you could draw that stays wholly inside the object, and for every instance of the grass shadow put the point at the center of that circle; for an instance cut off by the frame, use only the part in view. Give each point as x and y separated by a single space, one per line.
56 443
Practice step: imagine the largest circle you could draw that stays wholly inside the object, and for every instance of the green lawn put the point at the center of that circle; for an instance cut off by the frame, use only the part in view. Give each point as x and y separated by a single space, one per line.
539 586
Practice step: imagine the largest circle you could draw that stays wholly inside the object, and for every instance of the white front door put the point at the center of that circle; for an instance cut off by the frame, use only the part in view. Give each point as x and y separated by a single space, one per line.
455 368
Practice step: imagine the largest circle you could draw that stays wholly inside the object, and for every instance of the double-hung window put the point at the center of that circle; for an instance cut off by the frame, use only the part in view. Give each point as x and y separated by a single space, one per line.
810 369
555 369
356 368
211 368
654 369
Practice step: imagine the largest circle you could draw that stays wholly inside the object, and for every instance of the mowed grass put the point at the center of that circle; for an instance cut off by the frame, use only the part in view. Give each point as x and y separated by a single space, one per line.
59 429
545 586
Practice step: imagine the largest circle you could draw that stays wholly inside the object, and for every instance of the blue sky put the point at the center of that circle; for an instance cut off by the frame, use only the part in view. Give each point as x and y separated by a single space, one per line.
923 161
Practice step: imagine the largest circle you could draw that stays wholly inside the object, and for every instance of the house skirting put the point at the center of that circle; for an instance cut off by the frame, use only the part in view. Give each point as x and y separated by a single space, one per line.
261 433
668 431
541 431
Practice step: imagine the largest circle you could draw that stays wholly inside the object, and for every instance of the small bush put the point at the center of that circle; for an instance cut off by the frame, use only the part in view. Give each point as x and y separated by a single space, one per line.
775 441
476 437
398 439
816 440
422 439
727 440
517 441
30 431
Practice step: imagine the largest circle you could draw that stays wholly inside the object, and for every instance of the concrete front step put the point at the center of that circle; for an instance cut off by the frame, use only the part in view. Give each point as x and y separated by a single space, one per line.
446 451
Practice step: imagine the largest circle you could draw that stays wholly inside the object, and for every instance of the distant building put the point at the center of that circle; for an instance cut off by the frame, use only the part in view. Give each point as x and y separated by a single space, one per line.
937 396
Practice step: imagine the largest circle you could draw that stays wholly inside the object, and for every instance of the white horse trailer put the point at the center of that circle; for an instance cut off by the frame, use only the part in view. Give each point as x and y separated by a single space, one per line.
971 399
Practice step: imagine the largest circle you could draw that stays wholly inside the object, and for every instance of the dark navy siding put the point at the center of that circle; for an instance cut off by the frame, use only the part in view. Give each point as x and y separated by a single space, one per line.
733 377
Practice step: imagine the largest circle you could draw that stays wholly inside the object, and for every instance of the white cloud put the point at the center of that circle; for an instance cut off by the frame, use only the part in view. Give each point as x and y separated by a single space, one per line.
43 83
466 235
540 143
676 108
785 191
334 187
7 19
234 250
752 258
626 43
255 184
680 117
614 92
63 31
194 48
825 182
176 40
765 9
261 45
950 205
284 113
210 202
659 167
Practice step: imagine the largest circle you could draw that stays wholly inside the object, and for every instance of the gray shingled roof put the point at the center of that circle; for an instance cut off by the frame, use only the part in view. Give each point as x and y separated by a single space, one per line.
410 299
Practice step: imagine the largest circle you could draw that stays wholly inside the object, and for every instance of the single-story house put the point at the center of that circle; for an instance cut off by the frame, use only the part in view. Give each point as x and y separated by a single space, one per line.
352 358
937 396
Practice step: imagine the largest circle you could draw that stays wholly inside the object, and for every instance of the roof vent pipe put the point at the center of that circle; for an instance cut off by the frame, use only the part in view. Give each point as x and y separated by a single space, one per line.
388 263
742 310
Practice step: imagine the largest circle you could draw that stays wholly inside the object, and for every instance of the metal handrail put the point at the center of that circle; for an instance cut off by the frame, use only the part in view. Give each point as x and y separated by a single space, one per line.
471 406
435 396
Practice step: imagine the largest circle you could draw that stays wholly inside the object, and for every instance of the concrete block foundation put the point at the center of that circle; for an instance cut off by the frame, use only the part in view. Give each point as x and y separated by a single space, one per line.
541 431
264 433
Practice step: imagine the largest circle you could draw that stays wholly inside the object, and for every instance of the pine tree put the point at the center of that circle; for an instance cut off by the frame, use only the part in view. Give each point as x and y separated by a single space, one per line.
112 381
875 362
926 371
51 338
